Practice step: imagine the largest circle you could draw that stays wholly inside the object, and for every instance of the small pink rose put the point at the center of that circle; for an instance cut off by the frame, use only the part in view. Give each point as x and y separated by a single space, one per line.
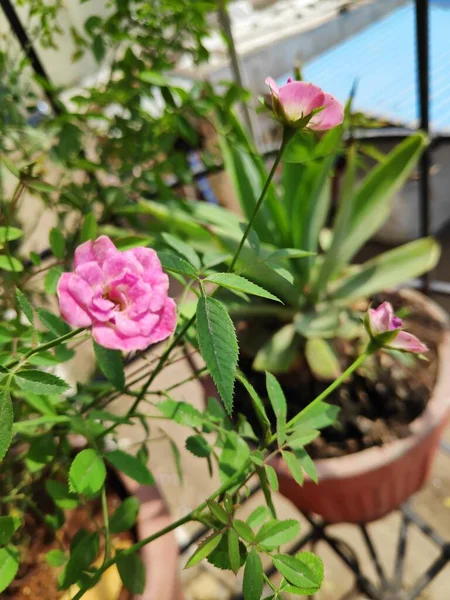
121 295
296 100
386 330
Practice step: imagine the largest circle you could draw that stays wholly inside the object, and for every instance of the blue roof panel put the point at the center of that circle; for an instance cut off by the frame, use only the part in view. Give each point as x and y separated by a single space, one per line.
382 59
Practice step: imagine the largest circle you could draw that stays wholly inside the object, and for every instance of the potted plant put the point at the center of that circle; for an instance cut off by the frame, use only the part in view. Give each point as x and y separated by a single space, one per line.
317 331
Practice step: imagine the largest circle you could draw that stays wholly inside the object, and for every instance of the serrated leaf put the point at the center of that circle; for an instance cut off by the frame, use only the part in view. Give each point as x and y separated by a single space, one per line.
60 494
87 473
274 533
257 403
40 382
294 466
111 363
9 565
132 572
9 234
234 454
89 228
322 359
244 531
218 511
51 280
84 550
185 250
318 416
125 515
175 264
307 463
204 550
198 446
10 264
220 558
218 346
253 577
57 242
6 422
131 466
233 550
315 564
272 477
232 281
53 323
279 405
56 558
7 529
301 437
258 516
25 305
181 412
296 571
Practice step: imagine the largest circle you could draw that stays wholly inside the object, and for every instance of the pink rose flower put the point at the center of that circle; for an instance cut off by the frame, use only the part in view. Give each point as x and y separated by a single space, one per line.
121 295
386 330
296 100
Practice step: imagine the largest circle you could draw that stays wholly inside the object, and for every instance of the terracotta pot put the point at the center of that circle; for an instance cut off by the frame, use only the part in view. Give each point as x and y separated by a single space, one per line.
161 556
367 485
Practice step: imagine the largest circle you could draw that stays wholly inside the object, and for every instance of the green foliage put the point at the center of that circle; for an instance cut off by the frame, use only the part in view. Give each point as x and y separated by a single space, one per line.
87 473
131 466
9 565
132 572
40 382
6 422
111 363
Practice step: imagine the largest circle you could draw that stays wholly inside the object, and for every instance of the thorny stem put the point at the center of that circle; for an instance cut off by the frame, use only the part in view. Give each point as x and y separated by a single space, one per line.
46 346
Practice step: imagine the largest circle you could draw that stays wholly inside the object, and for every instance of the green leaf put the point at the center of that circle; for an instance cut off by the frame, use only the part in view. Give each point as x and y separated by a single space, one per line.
84 550
87 473
278 354
51 280
57 243
307 463
232 281
315 565
175 264
388 269
181 412
10 264
7 529
89 228
133 241
279 405
253 577
41 452
274 533
322 359
218 346
185 250
218 511
258 516
9 234
234 454
294 466
198 446
204 550
301 437
40 186
11 166
272 477
244 531
98 48
318 416
177 460
40 382
9 565
25 305
111 363
233 550
154 77
220 557
56 558
132 572
297 571
59 493
257 403
52 322
125 515
131 466
6 422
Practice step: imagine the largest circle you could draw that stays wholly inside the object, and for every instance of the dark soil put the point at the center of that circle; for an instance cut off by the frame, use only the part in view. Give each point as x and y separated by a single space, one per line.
37 580
379 402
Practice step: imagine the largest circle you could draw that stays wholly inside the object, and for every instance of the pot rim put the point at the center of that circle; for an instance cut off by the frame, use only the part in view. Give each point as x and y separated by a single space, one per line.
436 410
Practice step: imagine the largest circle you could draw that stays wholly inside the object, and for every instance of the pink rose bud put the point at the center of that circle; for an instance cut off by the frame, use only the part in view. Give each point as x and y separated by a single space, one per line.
121 295
299 104
385 329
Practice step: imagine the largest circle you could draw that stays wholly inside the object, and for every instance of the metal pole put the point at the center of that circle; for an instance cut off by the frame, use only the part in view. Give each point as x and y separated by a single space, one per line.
27 47
225 23
422 42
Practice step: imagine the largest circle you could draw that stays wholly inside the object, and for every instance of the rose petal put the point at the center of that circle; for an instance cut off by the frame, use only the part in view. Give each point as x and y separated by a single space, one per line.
299 99
331 116
408 342
107 335
274 90
71 311
167 322
96 251
91 273
380 318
